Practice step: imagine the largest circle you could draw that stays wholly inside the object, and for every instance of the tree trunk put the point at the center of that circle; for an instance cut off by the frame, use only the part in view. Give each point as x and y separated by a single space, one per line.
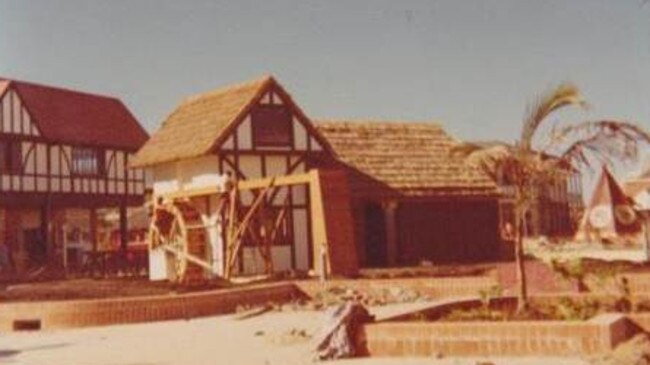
522 288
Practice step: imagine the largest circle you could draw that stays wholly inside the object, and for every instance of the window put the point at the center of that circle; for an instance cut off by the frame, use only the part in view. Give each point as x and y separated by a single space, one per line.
10 157
272 126
87 161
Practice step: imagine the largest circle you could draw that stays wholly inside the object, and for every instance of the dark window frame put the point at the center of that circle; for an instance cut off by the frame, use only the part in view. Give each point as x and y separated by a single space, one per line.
263 123
11 157
87 161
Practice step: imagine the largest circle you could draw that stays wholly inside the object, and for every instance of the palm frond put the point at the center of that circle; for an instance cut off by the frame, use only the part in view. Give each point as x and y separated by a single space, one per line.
603 140
564 95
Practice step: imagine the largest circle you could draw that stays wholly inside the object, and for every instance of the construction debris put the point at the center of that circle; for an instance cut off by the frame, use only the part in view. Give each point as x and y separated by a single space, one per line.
336 339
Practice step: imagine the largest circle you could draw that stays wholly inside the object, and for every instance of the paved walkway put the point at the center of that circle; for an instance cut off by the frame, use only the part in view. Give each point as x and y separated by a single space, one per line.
272 338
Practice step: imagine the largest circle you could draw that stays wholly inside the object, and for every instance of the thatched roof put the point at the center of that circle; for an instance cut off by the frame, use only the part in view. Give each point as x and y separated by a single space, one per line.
198 123
409 158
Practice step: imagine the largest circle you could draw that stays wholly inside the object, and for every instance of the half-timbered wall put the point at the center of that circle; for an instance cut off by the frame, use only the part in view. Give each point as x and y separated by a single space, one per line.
48 167
243 158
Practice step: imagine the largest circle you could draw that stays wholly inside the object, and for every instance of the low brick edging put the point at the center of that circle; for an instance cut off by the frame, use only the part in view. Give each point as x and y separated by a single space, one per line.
98 312
520 338
431 287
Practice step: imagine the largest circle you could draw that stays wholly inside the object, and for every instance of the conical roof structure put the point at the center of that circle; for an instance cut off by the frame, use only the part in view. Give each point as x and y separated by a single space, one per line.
610 214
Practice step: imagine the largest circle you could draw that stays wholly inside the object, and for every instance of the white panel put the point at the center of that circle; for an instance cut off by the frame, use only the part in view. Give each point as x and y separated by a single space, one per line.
6 114
110 164
28 161
41 184
101 186
65 168
277 100
301 238
281 256
28 183
16 179
250 166
5 182
120 188
299 194
299 135
41 158
27 127
111 187
245 135
315 146
120 164
200 172
16 110
66 185
246 197
54 160
55 185
276 165
254 264
229 144
164 178
266 99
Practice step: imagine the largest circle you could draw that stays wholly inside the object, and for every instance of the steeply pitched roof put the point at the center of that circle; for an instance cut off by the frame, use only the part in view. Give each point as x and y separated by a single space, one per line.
78 118
198 123
410 158
608 191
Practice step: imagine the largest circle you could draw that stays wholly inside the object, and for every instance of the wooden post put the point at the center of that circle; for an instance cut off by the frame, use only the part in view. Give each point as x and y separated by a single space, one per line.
93 228
318 231
390 220
124 229
44 228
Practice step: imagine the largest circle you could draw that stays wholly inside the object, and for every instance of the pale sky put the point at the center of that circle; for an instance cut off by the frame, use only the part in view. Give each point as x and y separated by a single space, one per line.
471 65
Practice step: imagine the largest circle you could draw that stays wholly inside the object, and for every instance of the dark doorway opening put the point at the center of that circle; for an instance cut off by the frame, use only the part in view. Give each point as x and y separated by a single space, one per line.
375 235
35 246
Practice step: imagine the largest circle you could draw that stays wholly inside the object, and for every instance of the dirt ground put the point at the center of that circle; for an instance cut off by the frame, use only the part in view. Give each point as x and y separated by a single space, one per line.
272 338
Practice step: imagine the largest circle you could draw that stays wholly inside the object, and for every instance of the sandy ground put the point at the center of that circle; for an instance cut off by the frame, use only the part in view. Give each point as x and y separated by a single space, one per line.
271 338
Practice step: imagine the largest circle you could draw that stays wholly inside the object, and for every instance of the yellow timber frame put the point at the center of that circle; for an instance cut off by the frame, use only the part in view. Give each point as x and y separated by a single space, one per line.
236 225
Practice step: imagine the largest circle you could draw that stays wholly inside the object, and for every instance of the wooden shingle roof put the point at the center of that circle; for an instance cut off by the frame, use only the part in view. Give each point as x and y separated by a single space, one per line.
196 125
410 158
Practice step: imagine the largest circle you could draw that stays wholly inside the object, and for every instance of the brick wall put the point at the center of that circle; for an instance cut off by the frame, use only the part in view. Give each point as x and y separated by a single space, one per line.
446 287
530 338
82 313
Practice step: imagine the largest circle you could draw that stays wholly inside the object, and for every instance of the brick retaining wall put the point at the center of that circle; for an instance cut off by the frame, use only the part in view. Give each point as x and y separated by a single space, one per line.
96 312
525 338
432 287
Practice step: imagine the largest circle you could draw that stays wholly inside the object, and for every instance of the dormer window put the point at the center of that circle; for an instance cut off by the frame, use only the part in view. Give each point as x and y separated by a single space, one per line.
272 126
87 161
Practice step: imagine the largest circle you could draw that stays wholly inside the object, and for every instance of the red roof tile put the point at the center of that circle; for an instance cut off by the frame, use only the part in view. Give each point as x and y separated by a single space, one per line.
80 118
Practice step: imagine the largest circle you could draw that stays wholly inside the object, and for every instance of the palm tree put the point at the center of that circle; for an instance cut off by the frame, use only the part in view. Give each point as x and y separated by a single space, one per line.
528 166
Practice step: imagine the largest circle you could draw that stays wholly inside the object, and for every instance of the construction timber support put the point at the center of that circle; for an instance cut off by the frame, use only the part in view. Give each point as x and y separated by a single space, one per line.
186 246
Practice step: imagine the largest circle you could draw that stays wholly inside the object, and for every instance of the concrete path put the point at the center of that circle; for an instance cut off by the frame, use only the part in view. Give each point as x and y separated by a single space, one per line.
271 338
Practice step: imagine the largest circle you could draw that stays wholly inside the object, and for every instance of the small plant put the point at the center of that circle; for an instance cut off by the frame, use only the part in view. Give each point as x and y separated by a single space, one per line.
624 301
572 270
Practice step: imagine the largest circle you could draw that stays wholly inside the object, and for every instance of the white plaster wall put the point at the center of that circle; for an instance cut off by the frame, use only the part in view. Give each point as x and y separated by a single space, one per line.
200 172
251 166
164 179
254 264
301 237
276 165
245 135
300 135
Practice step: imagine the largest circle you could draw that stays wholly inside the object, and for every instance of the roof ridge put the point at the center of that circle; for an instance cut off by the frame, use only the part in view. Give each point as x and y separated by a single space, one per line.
58 88
228 88
378 122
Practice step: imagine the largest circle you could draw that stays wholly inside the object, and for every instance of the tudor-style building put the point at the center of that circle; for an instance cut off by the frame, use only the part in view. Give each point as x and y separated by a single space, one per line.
401 198
250 130
63 156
